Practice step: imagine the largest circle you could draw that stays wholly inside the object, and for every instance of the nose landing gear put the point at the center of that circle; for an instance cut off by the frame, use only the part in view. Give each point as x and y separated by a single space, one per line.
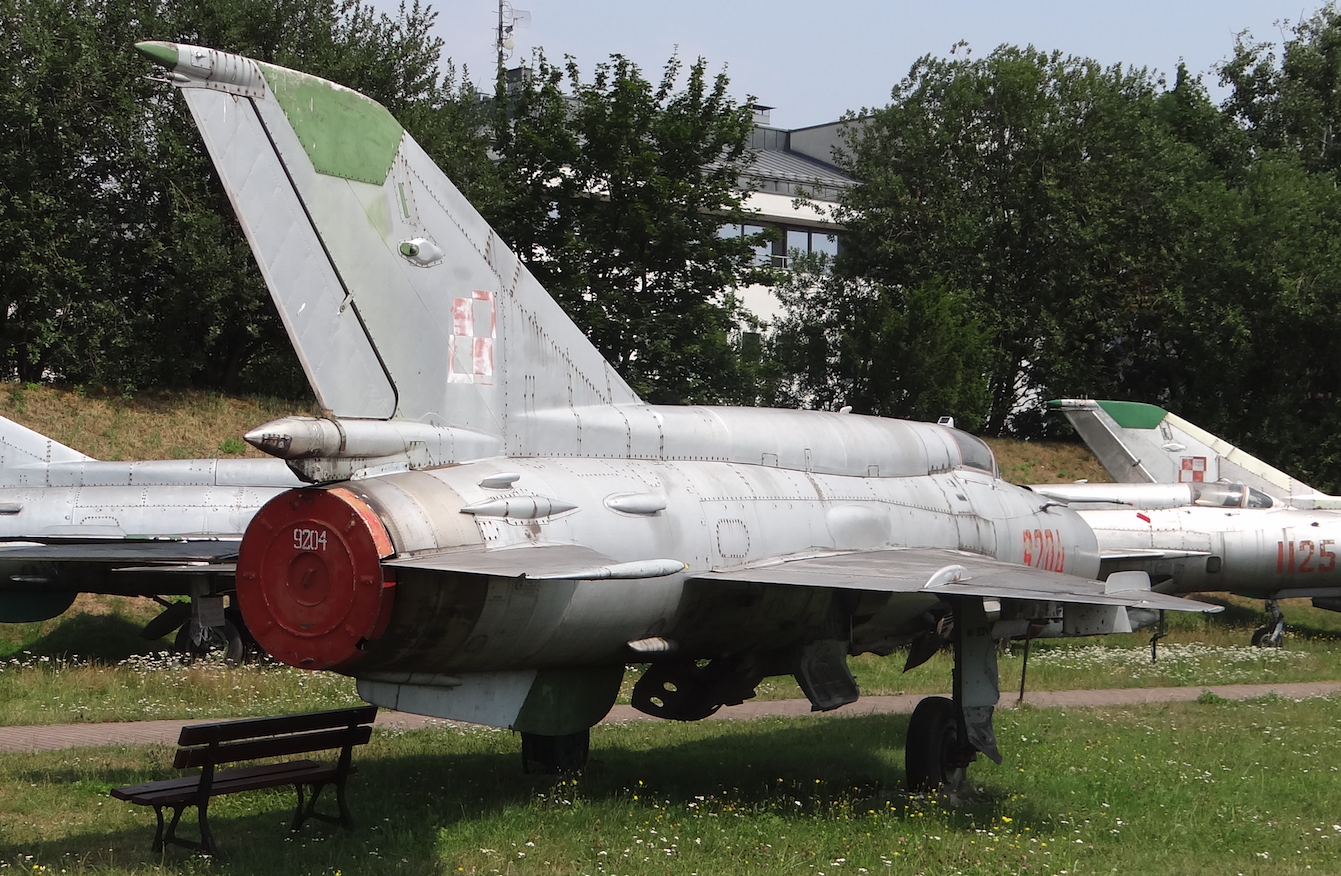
1270 636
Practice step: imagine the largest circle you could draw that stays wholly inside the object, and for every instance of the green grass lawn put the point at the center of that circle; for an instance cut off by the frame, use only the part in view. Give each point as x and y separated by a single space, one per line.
1195 788
98 683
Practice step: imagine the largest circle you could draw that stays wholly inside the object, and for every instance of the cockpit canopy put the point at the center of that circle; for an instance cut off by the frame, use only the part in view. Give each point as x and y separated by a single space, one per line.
1223 495
974 452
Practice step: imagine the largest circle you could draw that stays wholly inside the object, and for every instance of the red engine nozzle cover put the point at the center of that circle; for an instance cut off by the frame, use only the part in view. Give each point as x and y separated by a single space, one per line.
309 577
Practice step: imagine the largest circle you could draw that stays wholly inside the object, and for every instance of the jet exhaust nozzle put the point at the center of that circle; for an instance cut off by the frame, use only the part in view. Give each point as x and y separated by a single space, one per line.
310 581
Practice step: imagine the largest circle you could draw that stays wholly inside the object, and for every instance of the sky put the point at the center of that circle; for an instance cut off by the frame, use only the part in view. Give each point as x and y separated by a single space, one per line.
813 60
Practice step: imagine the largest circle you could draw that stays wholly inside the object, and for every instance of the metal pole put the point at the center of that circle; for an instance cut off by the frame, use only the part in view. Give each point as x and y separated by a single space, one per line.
498 44
1024 668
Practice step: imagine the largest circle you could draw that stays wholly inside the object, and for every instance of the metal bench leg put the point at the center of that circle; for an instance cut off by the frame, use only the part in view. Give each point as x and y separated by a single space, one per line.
299 815
346 820
206 838
158 834
170 835
309 809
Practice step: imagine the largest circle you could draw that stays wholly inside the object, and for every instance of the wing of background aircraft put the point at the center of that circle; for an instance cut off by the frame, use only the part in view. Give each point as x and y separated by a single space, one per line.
497 524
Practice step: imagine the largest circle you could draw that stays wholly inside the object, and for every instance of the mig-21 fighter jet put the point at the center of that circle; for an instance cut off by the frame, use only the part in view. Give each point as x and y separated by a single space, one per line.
497 524
1199 514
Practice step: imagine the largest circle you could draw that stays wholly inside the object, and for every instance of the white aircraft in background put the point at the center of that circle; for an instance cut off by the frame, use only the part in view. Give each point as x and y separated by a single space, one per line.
1199 514
72 524
498 524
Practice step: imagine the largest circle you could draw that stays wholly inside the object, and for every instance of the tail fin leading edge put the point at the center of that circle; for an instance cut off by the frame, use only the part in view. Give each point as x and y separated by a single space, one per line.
398 296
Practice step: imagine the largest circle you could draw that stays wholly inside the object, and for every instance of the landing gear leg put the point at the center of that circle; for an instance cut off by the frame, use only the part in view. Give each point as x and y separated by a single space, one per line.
945 736
1270 636
555 754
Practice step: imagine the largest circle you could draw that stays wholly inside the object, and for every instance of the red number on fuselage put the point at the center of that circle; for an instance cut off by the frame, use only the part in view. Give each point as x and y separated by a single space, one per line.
1043 549
1298 557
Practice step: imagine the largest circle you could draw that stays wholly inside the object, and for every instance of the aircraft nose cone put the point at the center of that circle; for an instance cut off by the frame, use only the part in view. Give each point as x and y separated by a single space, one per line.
269 441
160 52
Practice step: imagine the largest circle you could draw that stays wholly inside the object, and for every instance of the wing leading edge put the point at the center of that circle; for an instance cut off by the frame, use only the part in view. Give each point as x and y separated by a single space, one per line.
905 570
952 573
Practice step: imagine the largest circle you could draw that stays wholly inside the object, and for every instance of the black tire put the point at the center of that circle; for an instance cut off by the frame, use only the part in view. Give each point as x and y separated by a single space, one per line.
556 755
225 638
933 746
1264 637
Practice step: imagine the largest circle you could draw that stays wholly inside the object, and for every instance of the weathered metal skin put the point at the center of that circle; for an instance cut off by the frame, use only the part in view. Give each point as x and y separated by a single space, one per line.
1266 554
718 515
69 522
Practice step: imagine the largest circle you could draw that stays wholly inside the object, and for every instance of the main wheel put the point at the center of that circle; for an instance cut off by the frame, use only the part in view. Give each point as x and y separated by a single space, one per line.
225 638
556 754
1267 637
932 756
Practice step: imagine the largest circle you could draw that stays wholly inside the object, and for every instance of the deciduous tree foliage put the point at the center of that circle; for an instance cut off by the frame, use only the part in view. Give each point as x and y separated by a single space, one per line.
120 261
615 192
1033 187
1093 231
917 352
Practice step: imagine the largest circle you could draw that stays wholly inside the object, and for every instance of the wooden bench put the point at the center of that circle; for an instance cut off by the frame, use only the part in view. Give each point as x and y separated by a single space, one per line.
210 745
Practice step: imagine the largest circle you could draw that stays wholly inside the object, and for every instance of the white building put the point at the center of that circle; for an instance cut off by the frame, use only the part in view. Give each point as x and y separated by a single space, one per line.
794 187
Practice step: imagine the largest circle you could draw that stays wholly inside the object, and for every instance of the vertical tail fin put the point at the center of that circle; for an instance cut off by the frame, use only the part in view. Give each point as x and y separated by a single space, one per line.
399 298
1142 443
22 448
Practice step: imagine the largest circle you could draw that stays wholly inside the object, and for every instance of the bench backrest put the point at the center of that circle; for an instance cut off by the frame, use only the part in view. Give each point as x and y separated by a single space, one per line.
252 738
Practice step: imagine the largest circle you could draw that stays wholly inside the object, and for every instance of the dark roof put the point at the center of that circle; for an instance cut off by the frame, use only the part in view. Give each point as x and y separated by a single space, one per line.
794 167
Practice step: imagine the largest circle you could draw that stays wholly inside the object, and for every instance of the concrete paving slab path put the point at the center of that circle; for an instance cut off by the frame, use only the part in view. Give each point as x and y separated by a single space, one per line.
50 737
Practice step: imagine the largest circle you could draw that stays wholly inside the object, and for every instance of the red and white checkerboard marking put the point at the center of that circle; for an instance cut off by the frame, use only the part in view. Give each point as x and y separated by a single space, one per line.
1193 470
470 351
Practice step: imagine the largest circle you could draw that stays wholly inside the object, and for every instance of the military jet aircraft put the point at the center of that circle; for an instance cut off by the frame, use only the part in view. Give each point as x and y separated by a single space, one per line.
498 524
72 524
1199 514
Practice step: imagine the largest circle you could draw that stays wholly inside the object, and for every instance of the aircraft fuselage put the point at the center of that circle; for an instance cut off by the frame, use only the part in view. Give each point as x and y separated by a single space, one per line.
1273 553
313 560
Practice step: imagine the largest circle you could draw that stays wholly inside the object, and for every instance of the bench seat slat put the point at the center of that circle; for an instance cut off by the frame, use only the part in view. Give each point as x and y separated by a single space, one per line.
179 796
226 731
225 781
279 746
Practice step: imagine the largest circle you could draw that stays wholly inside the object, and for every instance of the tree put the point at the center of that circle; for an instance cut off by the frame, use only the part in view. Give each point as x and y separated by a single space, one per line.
120 263
1034 185
912 352
615 191
1294 105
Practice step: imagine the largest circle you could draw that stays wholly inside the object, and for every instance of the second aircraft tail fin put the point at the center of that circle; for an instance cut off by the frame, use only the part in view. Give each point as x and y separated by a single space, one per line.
25 454
1143 443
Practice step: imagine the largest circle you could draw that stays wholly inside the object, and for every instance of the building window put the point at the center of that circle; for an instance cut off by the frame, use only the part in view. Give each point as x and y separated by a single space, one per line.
777 253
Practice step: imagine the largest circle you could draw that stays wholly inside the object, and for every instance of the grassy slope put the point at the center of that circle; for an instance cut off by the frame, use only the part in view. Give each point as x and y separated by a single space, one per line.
161 425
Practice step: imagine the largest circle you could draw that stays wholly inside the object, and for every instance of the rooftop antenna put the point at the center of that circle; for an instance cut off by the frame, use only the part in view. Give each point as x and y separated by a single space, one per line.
509 19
